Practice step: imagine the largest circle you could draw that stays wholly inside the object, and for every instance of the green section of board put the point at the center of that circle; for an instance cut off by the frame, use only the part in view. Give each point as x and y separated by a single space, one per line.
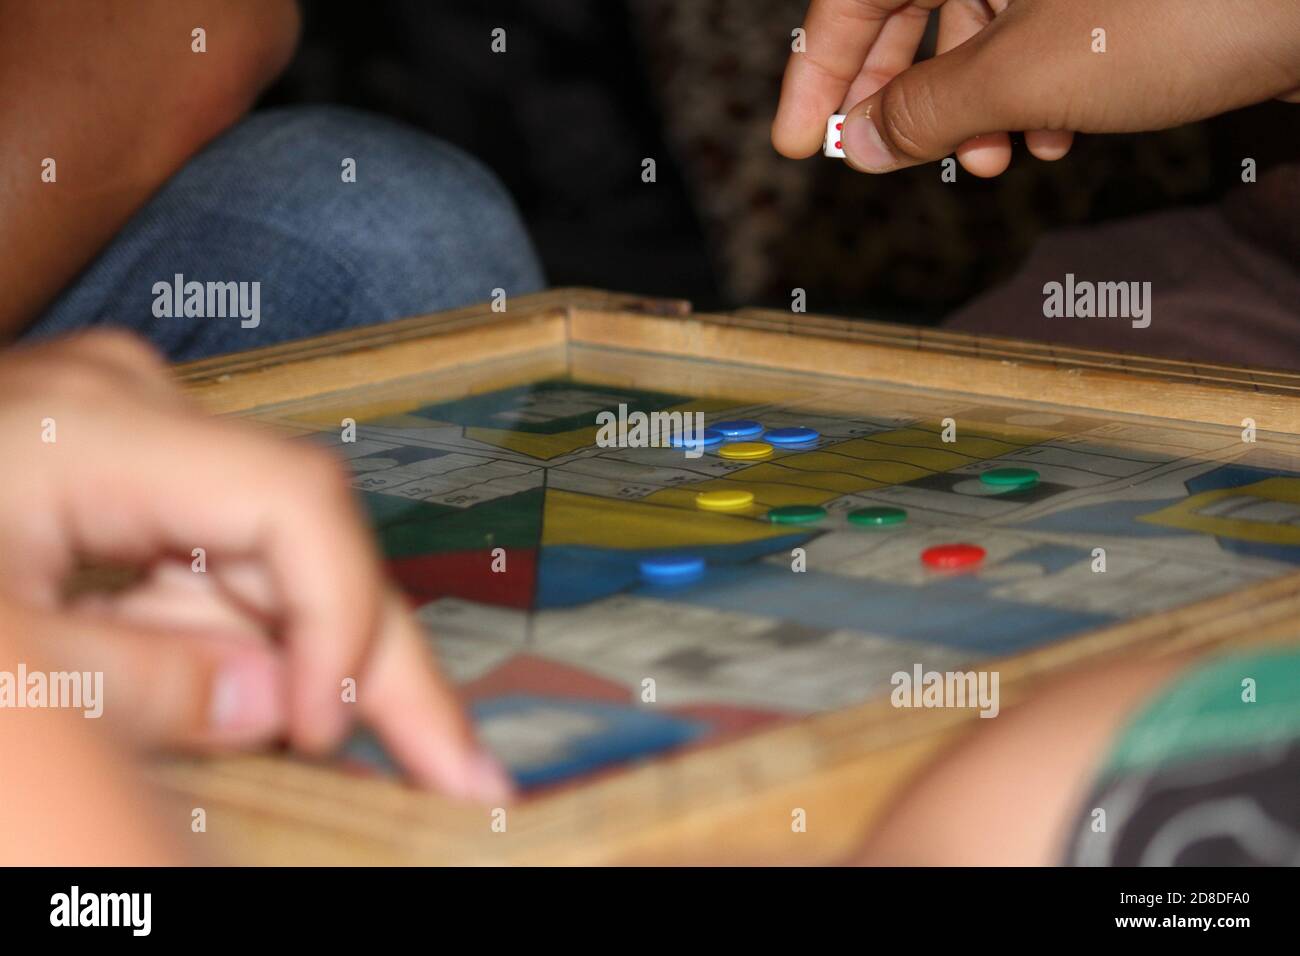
408 528
545 408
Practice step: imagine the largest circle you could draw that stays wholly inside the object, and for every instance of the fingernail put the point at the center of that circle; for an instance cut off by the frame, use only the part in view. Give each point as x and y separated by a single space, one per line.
863 146
245 697
486 779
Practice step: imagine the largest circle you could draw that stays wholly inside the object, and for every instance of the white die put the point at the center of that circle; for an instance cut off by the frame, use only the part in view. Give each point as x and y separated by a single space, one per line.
834 130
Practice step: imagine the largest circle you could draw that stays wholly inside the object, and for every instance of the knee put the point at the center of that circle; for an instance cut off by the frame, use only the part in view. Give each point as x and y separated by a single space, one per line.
338 217
410 215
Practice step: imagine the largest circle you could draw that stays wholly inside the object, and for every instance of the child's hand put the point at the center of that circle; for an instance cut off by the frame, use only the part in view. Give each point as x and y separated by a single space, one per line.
1026 65
292 601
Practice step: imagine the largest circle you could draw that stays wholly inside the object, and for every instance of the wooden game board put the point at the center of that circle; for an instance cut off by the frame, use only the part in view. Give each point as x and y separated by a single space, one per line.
1144 456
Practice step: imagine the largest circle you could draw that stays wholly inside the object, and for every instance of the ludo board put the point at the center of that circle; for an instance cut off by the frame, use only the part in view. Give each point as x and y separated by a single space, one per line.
690 708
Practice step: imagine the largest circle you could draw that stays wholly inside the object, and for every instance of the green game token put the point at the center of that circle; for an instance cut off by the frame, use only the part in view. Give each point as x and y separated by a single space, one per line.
796 514
878 517
1010 477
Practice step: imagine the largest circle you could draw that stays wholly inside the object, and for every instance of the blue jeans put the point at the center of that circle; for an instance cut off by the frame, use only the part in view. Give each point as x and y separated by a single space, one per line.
265 206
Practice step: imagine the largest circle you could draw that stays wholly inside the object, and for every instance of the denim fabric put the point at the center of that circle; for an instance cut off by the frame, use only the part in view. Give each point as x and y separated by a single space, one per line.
423 228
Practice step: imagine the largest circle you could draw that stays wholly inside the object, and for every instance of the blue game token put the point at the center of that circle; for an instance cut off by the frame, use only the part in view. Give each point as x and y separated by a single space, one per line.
741 428
672 568
710 439
796 435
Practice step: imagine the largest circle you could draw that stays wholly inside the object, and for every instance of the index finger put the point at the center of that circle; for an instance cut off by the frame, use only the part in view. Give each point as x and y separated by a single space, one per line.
416 713
839 34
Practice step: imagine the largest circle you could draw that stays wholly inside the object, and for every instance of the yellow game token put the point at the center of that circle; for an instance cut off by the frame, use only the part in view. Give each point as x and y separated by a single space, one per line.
724 500
746 449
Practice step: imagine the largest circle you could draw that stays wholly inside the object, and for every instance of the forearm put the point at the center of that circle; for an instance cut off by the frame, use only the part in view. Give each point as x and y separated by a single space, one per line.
114 94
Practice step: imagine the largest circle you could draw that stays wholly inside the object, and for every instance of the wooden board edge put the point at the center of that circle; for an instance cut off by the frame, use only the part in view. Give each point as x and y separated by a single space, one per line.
1008 377
873 351
338 369
990 345
377 335
351 357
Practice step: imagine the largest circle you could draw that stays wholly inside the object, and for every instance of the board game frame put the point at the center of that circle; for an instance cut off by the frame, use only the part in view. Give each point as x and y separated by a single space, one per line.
730 802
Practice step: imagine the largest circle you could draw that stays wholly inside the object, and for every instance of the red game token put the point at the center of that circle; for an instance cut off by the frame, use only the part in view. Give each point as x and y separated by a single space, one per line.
949 556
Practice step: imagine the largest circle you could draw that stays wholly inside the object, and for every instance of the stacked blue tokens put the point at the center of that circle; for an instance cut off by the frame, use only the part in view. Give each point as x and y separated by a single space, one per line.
745 429
672 568
711 438
740 430
795 435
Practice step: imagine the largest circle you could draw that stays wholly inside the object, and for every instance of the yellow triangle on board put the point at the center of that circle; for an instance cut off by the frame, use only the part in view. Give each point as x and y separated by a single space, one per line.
570 518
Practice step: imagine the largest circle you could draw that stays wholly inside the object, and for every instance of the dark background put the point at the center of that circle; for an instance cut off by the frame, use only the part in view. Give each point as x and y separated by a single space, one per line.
588 88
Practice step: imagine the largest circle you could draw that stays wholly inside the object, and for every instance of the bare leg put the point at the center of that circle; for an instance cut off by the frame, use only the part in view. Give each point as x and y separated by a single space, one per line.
1004 795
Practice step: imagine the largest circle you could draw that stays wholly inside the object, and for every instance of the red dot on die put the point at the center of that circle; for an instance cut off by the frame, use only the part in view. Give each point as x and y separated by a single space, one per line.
949 556
839 125
838 144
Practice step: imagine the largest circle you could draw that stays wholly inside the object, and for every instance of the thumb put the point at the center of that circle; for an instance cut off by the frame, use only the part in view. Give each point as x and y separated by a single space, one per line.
165 690
924 113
